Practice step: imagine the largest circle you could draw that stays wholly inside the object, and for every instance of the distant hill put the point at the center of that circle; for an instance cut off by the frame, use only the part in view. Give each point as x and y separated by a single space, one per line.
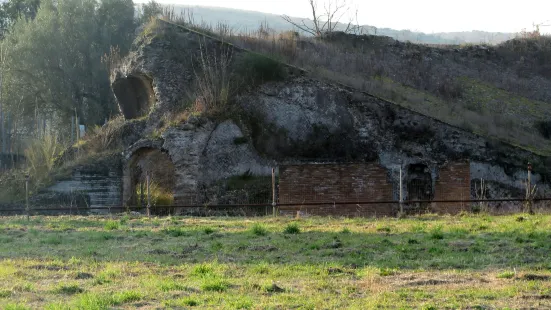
244 21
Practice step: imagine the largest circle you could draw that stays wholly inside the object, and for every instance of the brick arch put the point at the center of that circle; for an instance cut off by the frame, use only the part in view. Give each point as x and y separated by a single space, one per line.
158 164
135 95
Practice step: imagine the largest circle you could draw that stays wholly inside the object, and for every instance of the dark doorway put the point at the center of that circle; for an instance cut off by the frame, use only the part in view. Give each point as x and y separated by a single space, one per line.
162 179
419 182
135 96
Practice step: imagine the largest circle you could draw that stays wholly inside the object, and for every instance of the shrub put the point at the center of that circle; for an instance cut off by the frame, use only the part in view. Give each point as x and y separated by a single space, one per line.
175 231
128 296
506 275
384 272
105 137
292 228
188 301
111 225
437 234
256 69
41 155
208 230
214 89
259 230
214 285
171 285
203 269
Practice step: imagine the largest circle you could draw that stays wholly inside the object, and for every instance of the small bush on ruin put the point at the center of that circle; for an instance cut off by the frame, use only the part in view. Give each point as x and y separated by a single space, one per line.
214 90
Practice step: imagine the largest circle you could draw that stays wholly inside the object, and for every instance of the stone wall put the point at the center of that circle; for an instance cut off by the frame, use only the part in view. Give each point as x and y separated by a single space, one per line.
98 183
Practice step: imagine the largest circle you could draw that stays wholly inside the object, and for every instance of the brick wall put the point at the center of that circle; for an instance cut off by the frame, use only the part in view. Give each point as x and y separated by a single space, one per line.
336 182
453 183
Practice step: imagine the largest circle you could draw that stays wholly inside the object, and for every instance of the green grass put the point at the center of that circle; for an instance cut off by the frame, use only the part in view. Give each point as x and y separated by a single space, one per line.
414 262
112 225
259 230
292 228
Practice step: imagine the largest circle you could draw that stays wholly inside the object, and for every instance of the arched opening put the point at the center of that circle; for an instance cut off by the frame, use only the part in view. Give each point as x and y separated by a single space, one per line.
419 182
159 167
135 95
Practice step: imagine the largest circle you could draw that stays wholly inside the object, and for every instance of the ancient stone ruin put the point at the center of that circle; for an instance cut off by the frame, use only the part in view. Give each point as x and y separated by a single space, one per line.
327 141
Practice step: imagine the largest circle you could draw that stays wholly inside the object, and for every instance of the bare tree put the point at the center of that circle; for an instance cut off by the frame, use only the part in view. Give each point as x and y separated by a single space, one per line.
328 19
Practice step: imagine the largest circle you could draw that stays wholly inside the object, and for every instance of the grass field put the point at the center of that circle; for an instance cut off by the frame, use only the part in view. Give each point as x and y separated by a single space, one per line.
426 262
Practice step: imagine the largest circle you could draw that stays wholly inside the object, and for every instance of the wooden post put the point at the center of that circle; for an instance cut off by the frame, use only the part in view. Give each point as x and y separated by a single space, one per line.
72 130
529 190
401 194
2 131
274 204
27 209
147 181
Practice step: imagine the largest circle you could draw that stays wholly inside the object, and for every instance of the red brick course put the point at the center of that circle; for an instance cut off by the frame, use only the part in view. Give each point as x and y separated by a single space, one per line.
336 183
453 183
312 183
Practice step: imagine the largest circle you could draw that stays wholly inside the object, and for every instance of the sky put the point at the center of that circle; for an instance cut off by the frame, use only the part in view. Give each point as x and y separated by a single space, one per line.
417 15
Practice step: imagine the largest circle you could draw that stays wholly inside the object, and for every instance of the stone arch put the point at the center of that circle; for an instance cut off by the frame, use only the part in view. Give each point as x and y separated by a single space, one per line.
135 95
156 163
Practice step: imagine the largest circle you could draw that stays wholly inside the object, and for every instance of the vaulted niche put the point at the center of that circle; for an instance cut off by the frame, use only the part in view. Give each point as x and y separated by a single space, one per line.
159 167
419 183
135 95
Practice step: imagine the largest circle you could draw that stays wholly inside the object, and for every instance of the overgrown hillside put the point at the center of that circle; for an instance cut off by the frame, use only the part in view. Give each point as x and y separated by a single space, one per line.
502 92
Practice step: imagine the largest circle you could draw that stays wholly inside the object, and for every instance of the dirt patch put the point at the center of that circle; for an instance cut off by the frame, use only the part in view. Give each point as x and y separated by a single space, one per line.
83 275
461 246
542 297
535 277
259 248
428 282
48 267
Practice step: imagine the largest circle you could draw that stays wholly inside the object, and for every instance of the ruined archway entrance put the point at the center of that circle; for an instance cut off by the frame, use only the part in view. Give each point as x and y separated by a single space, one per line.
419 182
135 95
159 167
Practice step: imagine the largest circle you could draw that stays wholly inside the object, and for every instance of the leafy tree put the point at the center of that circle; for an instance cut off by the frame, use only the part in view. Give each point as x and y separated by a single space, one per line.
149 10
53 62
13 10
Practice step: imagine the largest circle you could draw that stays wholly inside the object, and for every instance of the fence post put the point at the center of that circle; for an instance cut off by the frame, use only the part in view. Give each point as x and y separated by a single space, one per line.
27 209
148 195
529 194
274 211
401 193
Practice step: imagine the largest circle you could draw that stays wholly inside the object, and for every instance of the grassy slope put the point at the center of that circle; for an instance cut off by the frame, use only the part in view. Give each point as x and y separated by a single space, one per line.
98 263
483 109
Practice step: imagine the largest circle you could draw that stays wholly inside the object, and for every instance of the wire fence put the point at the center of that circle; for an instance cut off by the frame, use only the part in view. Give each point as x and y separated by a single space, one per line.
335 208
337 190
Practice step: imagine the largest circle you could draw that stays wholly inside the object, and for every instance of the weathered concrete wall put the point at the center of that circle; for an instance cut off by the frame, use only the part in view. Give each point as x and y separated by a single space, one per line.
99 184
103 189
